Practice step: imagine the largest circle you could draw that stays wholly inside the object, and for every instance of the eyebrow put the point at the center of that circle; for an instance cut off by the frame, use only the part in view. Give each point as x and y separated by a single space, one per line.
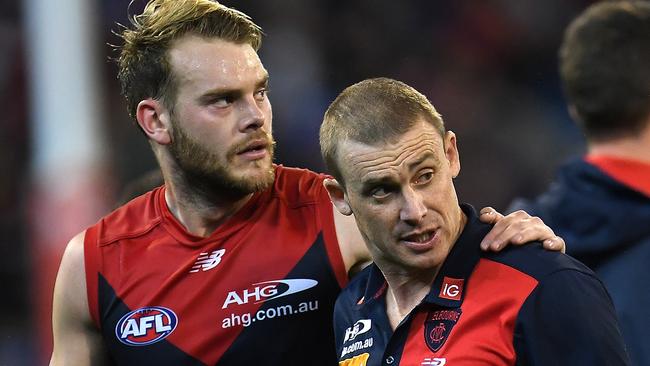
387 179
233 93
422 159
375 182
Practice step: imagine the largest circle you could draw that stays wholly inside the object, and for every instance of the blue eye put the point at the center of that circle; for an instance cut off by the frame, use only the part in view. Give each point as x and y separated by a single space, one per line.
380 192
222 102
260 95
424 178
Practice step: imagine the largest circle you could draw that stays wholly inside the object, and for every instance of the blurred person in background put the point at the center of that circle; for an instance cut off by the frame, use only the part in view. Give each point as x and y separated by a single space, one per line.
234 260
600 203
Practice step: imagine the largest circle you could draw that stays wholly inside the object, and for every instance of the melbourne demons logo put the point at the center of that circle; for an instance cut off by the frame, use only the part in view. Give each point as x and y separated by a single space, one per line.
438 325
146 326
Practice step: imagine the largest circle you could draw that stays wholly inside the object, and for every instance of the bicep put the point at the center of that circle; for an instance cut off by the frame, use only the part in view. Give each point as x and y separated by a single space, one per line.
569 319
353 249
76 340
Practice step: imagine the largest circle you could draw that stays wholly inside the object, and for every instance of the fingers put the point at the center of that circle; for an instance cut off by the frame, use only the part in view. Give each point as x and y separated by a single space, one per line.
501 232
489 215
518 228
555 243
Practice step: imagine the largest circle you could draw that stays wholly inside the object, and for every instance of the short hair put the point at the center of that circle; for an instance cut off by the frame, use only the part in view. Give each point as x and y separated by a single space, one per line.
144 68
605 68
373 111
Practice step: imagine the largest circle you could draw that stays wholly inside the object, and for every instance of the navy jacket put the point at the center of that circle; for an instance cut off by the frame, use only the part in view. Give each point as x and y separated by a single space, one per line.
521 306
606 225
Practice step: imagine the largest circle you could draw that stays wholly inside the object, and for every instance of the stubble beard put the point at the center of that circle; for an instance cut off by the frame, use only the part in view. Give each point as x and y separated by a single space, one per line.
205 172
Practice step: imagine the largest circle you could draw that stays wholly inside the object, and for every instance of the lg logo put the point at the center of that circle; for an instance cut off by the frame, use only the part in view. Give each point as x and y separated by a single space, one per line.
452 288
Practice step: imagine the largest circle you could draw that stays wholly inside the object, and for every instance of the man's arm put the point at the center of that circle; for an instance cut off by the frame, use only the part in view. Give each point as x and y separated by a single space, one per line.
76 340
353 248
569 319
516 228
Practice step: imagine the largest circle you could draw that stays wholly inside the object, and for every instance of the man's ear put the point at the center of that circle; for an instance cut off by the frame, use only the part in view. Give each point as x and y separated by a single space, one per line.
337 196
573 113
154 120
451 152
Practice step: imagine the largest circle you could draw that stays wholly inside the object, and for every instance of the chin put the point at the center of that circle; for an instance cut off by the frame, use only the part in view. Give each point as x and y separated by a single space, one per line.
259 180
426 263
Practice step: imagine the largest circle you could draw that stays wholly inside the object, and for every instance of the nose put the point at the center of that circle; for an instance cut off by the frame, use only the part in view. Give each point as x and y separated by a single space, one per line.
253 116
413 208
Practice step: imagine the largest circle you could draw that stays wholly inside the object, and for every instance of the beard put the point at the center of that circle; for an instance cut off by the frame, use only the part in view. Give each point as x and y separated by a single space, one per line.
211 174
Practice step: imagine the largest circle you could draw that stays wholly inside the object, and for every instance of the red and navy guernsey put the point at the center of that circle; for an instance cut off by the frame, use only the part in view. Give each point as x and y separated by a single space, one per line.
521 306
259 290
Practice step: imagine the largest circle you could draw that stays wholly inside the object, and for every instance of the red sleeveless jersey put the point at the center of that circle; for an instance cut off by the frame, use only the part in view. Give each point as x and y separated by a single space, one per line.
259 290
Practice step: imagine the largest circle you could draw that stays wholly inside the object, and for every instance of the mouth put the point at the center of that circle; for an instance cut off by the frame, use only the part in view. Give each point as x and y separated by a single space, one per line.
420 241
254 150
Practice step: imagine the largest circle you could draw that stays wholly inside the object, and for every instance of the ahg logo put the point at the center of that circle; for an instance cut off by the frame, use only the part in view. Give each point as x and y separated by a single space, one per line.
264 291
452 288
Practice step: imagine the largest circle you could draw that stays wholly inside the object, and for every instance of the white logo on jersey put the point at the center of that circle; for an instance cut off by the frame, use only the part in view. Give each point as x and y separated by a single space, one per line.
206 262
146 325
360 327
268 290
434 361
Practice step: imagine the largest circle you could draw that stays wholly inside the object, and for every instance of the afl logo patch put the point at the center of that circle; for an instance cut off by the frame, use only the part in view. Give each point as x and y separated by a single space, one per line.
146 326
438 325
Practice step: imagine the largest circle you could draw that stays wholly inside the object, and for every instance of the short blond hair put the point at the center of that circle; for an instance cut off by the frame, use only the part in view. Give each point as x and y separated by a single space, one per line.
144 69
373 111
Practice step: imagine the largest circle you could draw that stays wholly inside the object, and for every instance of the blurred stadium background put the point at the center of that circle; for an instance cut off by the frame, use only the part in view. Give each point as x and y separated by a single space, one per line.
68 147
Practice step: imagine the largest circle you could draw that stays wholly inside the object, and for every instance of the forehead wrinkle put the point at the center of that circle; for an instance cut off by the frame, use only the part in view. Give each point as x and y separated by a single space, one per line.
393 156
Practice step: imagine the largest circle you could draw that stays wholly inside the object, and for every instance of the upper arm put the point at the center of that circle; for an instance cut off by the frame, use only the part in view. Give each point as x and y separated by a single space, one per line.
569 319
353 248
76 339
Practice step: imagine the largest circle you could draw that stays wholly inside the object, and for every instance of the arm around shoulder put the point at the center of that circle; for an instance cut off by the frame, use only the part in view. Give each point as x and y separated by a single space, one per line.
569 319
353 248
76 339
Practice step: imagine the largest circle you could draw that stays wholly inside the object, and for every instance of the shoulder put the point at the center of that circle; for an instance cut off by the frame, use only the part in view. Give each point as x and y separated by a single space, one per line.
533 260
134 218
352 295
562 288
299 186
568 303
291 178
70 288
348 303
73 256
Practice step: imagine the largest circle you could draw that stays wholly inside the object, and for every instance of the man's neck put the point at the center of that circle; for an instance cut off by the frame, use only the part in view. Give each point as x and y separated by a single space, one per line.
201 215
632 148
200 208
405 292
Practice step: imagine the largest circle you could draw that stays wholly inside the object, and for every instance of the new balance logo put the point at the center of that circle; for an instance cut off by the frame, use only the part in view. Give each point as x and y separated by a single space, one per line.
434 362
206 262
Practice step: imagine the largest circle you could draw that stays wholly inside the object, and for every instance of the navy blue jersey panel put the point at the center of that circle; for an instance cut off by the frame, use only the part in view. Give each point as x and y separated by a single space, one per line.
161 353
318 304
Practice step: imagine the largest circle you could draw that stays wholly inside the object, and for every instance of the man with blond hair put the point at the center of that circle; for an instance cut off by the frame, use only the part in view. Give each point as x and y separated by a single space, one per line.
234 260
